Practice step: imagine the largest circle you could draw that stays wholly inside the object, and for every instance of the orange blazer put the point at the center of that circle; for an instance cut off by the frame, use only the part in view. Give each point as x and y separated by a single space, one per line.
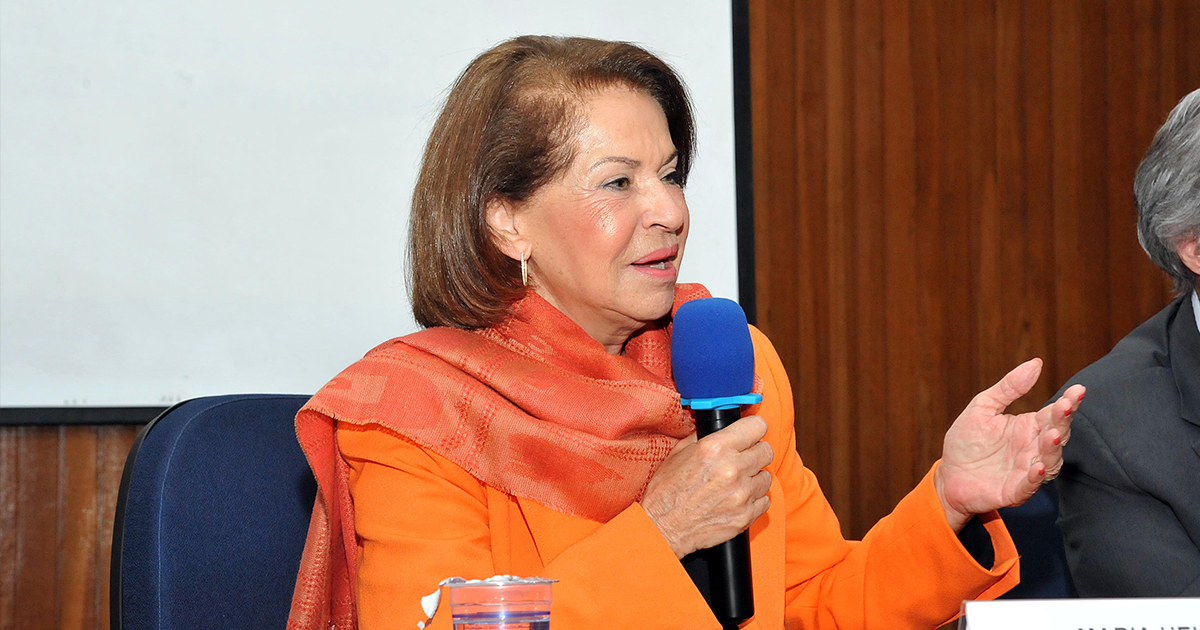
420 518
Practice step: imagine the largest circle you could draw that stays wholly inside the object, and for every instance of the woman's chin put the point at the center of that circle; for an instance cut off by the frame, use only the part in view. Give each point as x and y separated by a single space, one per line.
659 303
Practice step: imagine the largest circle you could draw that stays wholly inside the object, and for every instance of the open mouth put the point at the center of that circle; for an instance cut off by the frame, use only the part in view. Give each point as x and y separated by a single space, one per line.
659 259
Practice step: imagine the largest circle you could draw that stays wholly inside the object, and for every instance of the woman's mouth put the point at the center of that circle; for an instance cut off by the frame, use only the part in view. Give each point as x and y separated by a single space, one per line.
659 263
659 257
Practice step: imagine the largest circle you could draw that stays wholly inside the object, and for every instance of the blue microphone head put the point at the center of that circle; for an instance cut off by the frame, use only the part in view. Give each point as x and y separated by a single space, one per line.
711 352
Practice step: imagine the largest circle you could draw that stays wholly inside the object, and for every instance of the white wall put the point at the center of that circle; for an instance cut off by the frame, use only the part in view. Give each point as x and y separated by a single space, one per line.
211 197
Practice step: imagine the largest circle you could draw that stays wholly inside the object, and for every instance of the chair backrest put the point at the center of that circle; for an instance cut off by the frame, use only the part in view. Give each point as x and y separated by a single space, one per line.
212 517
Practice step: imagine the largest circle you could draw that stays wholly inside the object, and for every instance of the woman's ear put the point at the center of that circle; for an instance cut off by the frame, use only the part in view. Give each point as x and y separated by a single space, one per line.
501 215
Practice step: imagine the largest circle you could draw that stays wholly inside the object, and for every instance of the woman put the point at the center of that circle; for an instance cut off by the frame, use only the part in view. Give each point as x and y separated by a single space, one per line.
533 427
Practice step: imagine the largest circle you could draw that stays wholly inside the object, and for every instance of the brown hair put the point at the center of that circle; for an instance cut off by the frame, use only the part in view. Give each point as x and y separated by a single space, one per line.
506 130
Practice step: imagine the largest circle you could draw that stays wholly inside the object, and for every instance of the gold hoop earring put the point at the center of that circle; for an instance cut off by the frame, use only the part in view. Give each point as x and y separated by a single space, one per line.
524 271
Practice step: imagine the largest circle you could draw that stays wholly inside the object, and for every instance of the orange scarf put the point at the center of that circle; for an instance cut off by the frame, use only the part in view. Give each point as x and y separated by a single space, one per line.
532 406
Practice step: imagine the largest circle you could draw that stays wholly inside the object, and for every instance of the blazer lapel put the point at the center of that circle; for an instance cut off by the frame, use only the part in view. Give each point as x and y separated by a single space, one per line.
1185 364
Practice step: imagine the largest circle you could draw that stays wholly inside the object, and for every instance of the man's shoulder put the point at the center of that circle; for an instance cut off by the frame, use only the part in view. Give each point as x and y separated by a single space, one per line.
1142 353
1131 391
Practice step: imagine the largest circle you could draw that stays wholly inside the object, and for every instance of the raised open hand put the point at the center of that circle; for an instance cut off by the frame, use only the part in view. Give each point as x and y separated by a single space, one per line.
991 459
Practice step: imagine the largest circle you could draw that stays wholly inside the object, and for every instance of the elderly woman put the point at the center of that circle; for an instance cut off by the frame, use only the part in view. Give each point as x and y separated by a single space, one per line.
1130 511
533 427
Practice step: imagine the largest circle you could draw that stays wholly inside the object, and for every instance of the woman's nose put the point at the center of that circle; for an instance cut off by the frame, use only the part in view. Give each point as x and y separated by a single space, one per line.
665 208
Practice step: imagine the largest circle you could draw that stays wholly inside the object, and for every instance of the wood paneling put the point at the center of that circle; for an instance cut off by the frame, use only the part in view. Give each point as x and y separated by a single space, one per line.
58 492
943 189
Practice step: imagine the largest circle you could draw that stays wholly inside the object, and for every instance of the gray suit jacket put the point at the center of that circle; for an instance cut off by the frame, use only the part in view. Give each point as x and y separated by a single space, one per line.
1129 491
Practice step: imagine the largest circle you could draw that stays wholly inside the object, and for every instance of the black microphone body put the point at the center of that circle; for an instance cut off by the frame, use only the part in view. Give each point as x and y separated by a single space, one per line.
731 589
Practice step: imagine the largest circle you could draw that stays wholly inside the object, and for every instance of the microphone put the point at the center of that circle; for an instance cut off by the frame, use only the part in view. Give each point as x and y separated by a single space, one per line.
712 358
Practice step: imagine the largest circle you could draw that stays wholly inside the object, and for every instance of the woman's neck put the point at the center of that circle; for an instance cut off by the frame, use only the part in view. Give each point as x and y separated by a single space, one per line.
613 335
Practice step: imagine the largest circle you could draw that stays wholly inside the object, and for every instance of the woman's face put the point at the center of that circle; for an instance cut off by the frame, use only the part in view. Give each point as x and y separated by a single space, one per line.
606 237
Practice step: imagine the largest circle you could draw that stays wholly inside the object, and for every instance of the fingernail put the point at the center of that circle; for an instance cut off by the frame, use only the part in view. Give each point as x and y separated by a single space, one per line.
1041 470
1057 440
1082 395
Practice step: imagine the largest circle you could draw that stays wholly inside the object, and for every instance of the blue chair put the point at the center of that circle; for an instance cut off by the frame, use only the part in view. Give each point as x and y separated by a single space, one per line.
212 517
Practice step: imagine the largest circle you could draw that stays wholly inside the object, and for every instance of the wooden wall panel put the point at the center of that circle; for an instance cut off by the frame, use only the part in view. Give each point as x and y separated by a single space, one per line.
943 189
866 326
58 492
8 528
37 556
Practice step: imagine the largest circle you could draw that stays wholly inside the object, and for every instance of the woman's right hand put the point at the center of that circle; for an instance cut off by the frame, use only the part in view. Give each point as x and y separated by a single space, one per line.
710 490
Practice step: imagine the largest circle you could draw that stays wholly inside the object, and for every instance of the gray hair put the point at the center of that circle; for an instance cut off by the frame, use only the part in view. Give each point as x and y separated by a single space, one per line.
1167 190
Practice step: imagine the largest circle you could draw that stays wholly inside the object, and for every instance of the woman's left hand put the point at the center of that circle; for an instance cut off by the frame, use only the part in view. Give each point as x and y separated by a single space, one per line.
991 459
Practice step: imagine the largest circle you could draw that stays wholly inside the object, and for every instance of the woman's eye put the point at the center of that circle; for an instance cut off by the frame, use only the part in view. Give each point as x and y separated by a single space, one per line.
620 183
673 178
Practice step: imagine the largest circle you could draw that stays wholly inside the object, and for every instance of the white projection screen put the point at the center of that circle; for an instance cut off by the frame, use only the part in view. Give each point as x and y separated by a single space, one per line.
212 197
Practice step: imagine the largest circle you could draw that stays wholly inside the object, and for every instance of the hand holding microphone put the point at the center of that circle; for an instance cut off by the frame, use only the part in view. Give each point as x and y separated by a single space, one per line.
706 494
710 490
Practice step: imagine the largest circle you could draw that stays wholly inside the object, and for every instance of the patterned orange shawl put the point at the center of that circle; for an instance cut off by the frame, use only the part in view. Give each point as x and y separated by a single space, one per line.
531 406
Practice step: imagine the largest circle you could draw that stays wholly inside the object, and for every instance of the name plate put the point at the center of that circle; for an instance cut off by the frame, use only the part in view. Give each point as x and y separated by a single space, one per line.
1180 613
